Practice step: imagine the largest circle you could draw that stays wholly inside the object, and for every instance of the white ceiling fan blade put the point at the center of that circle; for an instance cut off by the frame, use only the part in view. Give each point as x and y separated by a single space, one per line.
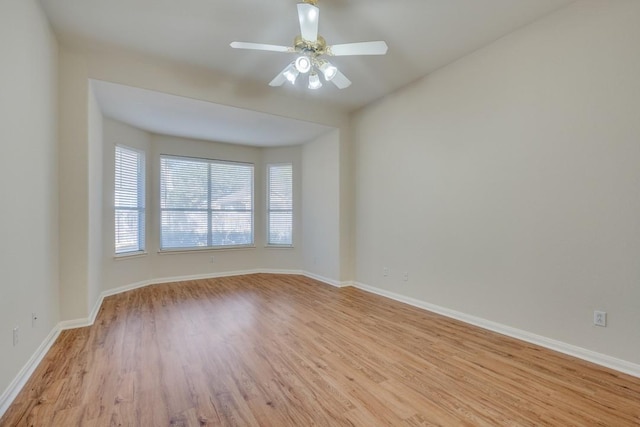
308 15
341 81
364 48
260 46
280 78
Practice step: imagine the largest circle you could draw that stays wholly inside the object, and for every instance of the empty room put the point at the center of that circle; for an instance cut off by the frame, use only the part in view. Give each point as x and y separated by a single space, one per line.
320 213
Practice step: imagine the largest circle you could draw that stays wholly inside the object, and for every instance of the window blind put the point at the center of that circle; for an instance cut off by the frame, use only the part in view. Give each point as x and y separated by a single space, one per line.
205 203
280 205
129 200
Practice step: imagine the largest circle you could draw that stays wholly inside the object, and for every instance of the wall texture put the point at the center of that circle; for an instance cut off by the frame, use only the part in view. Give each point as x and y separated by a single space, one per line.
28 183
506 184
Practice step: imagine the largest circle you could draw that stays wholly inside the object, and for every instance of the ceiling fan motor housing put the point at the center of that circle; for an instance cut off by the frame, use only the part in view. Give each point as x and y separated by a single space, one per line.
313 49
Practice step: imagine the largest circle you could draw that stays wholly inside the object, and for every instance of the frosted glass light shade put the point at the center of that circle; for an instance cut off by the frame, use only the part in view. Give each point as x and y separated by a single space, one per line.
291 74
314 81
329 71
303 64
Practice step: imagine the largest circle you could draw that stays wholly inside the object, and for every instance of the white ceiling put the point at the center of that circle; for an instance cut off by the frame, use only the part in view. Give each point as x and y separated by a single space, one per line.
423 35
190 118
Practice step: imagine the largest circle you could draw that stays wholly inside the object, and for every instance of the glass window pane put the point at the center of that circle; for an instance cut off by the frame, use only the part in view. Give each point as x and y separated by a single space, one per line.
231 228
280 205
127 230
183 184
205 203
231 186
184 229
129 200
280 225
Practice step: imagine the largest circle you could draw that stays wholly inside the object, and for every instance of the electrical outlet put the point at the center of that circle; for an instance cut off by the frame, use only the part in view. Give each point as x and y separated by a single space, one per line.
600 318
16 336
385 271
405 276
34 320
212 259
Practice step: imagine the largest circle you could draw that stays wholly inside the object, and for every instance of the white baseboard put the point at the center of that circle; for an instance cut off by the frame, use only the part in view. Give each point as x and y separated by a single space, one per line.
84 322
161 280
27 370
323 279
281 271
559 346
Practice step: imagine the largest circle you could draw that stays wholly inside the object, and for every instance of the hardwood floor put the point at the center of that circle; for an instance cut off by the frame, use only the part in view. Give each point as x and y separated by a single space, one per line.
276 350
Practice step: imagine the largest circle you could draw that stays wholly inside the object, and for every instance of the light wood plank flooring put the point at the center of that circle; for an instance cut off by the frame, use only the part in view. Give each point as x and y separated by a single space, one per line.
275 350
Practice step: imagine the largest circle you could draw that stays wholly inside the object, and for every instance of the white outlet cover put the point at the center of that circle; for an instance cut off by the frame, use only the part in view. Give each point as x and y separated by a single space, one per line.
600 318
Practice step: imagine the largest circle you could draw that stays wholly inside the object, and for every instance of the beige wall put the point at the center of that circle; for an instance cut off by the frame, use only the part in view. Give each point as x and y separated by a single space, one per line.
506 184
29 183
321 206
95 180
347 204
74 186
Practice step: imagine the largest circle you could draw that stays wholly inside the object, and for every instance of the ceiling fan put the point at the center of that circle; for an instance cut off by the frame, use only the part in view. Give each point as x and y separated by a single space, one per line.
311 48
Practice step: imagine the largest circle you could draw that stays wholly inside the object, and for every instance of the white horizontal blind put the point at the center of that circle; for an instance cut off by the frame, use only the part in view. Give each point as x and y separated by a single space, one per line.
129 200
280 205
205 203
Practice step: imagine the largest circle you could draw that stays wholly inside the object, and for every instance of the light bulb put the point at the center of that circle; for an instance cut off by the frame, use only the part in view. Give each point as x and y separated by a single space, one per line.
329 71
314 81
303 64
291 74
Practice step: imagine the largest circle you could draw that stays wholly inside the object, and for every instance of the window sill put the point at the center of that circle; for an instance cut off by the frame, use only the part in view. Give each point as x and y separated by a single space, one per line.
129 255
279 246
178 251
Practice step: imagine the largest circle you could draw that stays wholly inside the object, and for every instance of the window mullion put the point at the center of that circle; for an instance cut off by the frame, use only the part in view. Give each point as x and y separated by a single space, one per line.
209 210
141 204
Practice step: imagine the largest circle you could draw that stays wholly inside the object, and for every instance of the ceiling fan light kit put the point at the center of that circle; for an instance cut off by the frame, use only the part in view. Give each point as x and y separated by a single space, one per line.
310 47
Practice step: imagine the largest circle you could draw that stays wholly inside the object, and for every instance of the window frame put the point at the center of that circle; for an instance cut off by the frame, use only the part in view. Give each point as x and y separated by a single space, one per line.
141 176
269 210
209 210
